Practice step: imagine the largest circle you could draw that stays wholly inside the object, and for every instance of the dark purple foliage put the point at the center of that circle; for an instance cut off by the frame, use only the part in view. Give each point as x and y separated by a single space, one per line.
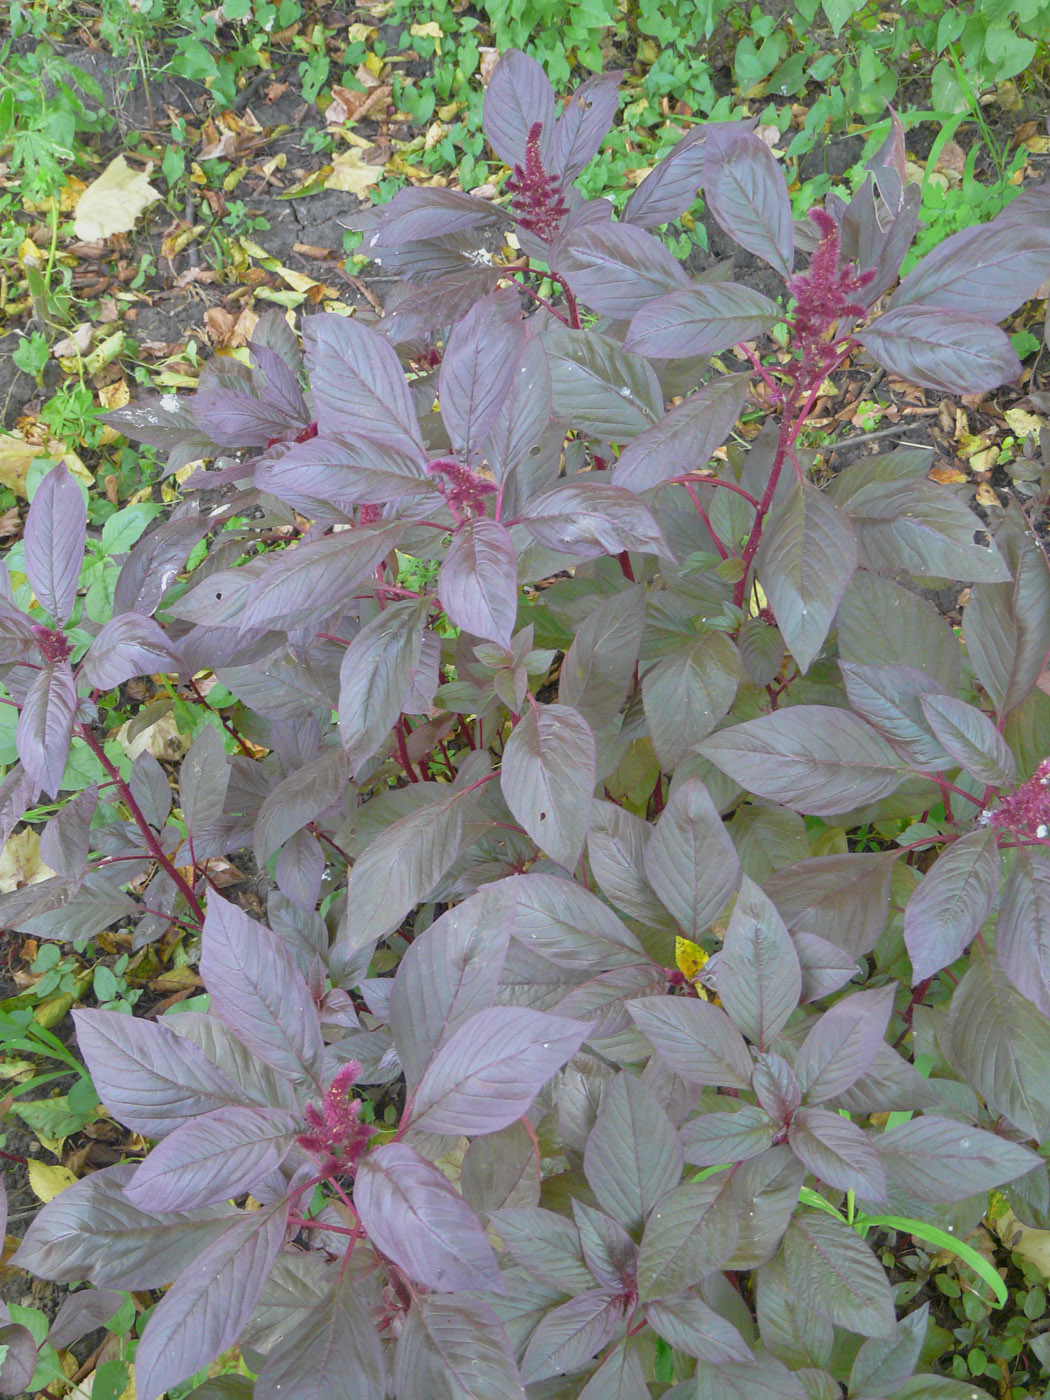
465 1117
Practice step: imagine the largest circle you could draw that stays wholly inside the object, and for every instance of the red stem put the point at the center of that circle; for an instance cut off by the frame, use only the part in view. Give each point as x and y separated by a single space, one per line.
148 836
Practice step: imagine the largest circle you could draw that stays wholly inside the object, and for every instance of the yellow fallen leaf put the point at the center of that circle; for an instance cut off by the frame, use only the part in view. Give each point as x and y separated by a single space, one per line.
350 173
1023 424
48 1181
431 30
20 862
689 957
16 457
113 202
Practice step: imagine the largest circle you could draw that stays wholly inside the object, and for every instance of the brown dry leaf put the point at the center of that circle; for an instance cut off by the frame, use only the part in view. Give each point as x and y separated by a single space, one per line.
947 476
20 862
113 202
276 90
10 524
76 343
219 324
986 496
951 161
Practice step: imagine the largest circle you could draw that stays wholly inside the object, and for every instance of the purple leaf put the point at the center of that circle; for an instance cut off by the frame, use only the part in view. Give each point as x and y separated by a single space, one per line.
776 1087
375 677
55 531
763 1194
793 1334
335 1341
128 645
685 438
843 1043
257 989
670 188
583 122
19 1353
764 1378
325 478
619 1377
415 213
598 668
693 1231
687 692
987 271
205 1310
955 897
417 1219
589 520
216 1157
548 776
301 797
570 1335
447 974
1022 928
65 841
702 319
759 979
838 1152
744 189
478 582
608 1249
940 1160
834 1272
518 96
203 783
490 1069
690 860
971 739
825 968
524 413
890 698
560 921
944 350
714 1138
478 369
605 390
81 1313
844 899
807 557
919 526
545 1244
882 1367
92 1232
690 1325
696 1038
617 269
633 1156
151 1080
1000 1045
455 1346
45 725
358 384
818 759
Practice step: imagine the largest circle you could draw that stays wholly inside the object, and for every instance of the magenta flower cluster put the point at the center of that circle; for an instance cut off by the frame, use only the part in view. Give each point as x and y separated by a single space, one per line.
1027 809
538 202
463 489
339 1137
52 644
824 295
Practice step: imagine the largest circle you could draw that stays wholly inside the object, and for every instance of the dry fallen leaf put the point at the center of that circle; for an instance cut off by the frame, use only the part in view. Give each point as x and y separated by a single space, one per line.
113 202
20 862
350 173
16 457
47 1180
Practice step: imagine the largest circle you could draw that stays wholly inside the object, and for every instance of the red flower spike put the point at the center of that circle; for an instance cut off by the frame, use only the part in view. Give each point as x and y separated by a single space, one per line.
340 1137
823 295
463 489
538 202
1026 810
53 645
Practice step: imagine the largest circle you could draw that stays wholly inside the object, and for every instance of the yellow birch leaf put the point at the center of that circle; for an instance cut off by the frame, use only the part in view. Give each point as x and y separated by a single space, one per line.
20 862
48 1181
350 173
689 957
113 202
